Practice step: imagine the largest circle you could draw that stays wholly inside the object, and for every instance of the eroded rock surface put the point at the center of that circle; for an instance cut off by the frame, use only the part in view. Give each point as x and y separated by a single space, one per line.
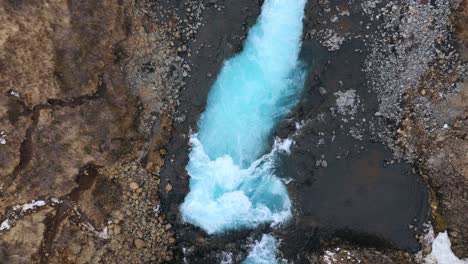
82 84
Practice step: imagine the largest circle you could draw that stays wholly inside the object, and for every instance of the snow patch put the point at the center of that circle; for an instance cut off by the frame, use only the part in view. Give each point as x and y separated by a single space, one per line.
2 138
104 234
442 253
54 200
329 257
5 225
29 206
15 94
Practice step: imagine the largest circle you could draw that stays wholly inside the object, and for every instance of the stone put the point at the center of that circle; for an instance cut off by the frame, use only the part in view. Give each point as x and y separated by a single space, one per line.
75 248
139 243
117 229
134 185
324 163
168 187
119 216
139 234
322 90
200 241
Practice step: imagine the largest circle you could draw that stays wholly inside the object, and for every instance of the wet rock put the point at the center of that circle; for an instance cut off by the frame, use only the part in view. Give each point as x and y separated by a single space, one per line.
322 90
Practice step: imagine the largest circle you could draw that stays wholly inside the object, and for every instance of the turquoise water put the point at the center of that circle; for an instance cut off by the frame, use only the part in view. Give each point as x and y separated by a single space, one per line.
232 178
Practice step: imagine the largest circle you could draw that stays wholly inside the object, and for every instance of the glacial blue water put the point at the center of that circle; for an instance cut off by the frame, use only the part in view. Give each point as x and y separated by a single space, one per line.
232 164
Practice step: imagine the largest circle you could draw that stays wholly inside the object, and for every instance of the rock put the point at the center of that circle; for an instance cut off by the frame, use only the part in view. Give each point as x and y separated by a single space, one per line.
200 241
134 185
119 216
117 229
139 243
324 163
83 100
139 234
75 248
322 90
168 187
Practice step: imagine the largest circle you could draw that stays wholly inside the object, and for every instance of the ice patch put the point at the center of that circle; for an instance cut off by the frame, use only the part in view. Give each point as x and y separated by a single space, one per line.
2 138
29 206
15 94
442 253
54 200
329 257
5 225
104 234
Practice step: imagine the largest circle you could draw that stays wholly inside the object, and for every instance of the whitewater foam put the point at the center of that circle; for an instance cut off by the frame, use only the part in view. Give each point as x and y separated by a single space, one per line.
232 174
264 251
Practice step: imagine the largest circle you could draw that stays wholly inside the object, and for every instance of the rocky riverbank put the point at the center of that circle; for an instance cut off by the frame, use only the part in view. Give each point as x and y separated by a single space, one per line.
87 91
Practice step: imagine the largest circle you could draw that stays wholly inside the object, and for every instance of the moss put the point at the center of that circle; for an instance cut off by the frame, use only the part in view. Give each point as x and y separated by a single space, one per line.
438 221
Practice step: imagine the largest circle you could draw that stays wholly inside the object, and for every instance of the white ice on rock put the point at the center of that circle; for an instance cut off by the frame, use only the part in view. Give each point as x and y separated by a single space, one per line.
5 225
21 209
2 137
442 253
29 206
